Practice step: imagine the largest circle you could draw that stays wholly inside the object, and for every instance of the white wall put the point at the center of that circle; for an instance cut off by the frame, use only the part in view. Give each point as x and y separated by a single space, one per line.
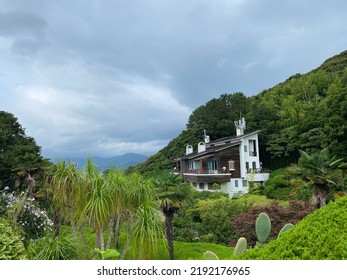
245 156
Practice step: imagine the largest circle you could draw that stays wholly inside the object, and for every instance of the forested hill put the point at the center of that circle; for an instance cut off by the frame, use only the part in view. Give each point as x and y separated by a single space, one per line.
305 112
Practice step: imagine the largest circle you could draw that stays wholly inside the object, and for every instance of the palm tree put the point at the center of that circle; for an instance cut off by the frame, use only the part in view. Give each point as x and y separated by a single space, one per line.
99 204
172 193
321 170
147 229
144 224
63 181
119 191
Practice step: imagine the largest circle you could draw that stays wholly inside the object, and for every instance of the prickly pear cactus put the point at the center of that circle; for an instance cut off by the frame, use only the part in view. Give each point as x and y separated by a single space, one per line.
241 246
285 228
209 255
11 245
263 227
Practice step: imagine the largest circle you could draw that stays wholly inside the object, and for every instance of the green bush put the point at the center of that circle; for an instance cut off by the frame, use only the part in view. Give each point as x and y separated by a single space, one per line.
244 223
319 236
50 247
11 245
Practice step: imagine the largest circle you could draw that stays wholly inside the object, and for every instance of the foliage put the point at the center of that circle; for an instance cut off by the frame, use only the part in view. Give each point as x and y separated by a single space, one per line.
320 169
109 254
104 201
33 221
11 245
243 224
172 194
306 112
195 251
278 186
319 236
50 247
208 219
19 153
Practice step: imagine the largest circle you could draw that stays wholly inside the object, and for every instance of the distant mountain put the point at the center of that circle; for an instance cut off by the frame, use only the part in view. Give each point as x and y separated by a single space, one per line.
102 163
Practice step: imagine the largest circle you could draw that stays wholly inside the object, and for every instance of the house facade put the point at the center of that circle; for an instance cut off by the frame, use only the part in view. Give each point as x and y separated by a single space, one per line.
228 164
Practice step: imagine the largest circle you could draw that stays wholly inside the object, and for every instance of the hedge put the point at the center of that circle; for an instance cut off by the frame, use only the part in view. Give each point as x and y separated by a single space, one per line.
322 235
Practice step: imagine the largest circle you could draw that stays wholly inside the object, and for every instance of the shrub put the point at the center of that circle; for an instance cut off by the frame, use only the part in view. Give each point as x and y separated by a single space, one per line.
11 245
319 236
209 220
244 223
33 221
50 247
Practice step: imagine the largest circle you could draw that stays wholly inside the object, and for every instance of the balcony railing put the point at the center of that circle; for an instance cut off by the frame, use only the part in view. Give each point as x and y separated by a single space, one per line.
257 170
206 171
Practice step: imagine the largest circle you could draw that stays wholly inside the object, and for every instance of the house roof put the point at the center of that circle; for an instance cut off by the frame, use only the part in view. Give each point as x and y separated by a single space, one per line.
217 146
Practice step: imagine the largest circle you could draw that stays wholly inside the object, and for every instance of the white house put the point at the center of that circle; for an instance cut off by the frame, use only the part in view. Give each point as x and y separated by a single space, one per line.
228 164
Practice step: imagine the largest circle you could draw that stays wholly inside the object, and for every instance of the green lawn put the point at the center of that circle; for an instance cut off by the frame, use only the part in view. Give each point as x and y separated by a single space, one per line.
182 250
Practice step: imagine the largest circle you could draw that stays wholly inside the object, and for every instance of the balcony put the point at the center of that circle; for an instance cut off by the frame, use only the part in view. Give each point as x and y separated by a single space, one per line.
206 176
257 175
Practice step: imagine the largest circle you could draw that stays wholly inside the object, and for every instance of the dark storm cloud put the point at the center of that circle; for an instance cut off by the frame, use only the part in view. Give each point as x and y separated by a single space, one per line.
119 76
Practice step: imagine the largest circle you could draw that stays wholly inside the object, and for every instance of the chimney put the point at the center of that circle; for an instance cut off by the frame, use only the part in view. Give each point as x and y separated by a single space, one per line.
240 127
206 137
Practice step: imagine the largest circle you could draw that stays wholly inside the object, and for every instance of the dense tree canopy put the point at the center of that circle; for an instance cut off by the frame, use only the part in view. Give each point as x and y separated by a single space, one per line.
19 153
307 112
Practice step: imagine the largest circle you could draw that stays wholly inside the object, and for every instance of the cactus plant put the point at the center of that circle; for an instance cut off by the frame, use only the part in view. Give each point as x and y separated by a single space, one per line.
285 228
209 255
263 227
241 246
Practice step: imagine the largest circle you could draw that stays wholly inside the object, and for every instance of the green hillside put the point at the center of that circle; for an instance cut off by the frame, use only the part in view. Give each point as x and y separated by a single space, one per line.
306 112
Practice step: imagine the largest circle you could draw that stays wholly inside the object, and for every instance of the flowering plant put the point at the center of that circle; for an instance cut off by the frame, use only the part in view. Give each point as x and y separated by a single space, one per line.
33 221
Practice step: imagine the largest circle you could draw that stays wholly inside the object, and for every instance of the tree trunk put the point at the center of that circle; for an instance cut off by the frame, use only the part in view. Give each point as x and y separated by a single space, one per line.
116 231
110 233
100 240
126 246
169 233
27 193
56 224
85 245
319 197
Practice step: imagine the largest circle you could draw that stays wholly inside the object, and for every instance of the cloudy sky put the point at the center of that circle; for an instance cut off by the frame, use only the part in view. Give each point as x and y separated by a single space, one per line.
107 77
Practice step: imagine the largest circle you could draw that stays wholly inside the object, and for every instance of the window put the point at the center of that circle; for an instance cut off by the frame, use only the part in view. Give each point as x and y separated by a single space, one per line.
201 186
231 164
212 165
252 148
254 165
245 148
247 166
196 165
236 184
244 183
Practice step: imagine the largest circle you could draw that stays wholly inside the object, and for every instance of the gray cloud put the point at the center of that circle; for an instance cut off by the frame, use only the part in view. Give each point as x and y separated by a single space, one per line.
108 77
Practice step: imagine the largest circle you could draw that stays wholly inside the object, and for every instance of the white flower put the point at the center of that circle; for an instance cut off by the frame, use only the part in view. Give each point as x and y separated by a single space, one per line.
6 188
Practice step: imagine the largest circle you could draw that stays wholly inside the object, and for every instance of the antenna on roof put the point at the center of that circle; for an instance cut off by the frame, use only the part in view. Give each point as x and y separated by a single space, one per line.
240 126
206 137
